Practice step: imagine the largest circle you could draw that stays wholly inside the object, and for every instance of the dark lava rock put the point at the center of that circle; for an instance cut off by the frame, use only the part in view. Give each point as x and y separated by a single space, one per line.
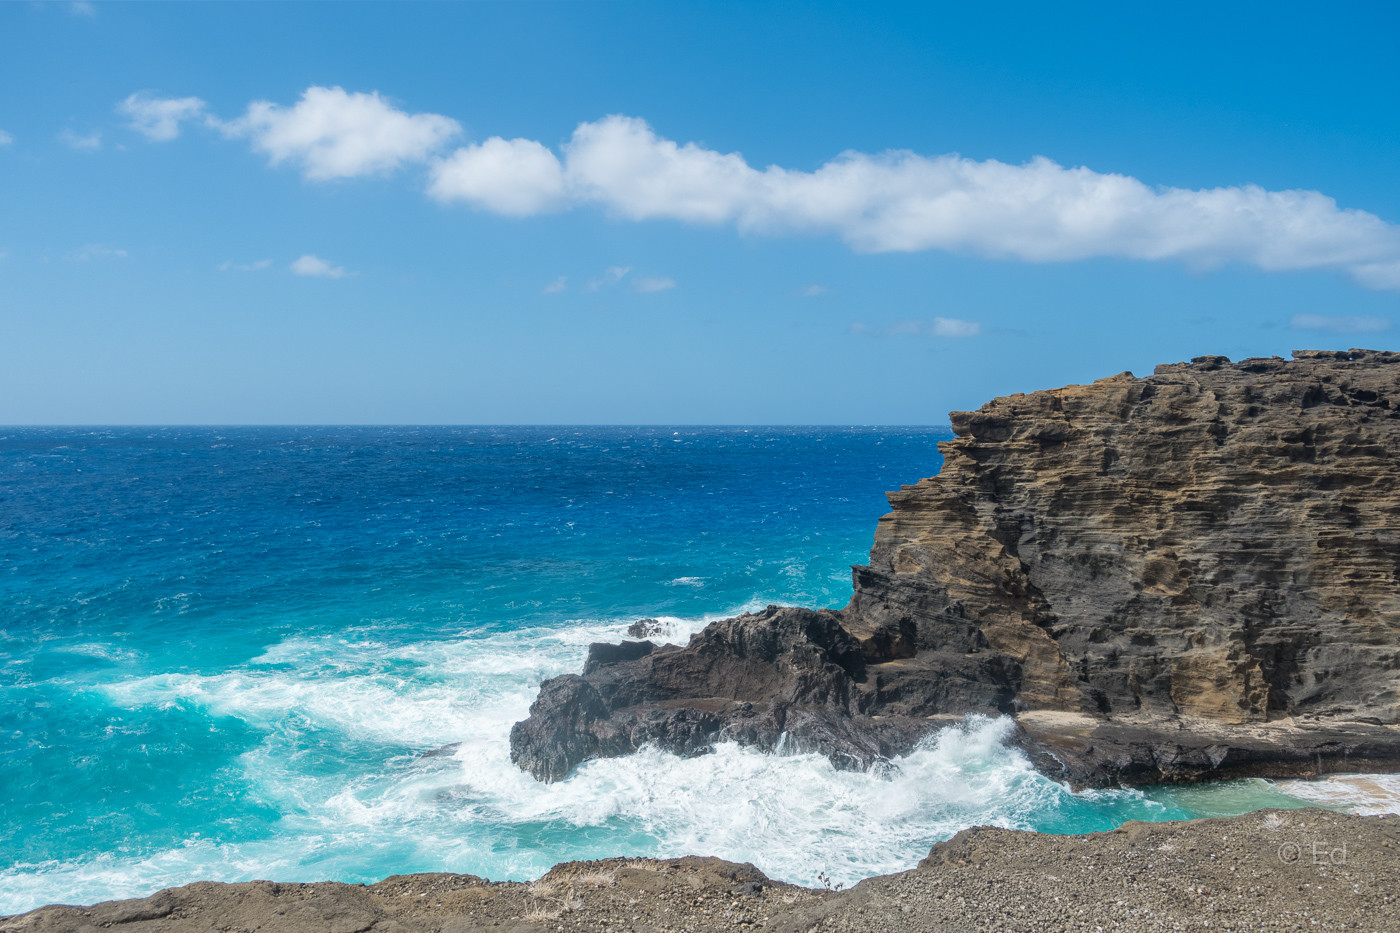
646 628
1173 578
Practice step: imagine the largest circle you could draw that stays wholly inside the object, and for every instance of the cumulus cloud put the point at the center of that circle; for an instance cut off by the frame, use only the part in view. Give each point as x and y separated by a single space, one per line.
900 201
90 142
318 267
621 163
653 284
894 201
516 177
331 134
555 287
95 251
812 291
5 138
1345 324
159 118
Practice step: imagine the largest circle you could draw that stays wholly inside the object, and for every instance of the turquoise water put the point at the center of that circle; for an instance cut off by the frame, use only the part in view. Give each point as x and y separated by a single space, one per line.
223 653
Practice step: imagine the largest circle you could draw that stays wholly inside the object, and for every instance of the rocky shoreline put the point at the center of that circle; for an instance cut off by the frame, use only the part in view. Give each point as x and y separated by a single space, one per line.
1272 870
1184 577
1189 576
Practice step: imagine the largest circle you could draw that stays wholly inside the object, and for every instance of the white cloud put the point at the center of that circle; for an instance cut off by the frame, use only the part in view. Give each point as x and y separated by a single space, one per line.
952 327
939 327
158 118
894 201
517 177
812 291
318 267
82 8
89 142
611 276
331 134
621 163
95 251
1340 325
247 267
900 201
1378 275
653 284
5 138
555 287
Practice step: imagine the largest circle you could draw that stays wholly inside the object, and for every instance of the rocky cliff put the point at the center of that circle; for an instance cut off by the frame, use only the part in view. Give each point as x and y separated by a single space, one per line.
1190 575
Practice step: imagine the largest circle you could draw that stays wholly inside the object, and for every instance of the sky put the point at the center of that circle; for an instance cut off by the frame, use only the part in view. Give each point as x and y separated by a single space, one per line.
676 213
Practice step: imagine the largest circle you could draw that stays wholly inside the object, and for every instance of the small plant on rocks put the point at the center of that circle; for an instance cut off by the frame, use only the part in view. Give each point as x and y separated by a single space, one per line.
541 889
596 879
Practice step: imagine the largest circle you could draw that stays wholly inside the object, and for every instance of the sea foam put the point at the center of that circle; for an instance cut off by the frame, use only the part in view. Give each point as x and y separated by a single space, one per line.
297 654
383 758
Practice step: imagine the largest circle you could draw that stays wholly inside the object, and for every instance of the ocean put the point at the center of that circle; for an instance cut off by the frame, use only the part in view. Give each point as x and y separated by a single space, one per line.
224 653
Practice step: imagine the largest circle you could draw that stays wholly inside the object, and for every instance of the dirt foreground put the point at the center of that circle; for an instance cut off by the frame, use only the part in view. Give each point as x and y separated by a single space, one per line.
1268 871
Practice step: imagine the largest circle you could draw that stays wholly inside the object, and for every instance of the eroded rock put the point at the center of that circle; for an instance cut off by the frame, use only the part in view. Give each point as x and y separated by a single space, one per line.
1196 572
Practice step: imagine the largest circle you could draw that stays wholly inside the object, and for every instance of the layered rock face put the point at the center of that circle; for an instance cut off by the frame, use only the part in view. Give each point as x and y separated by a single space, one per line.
1190 575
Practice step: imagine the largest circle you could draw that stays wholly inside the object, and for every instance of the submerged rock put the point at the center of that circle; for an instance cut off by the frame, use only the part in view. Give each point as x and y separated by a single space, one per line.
1190 575
646 628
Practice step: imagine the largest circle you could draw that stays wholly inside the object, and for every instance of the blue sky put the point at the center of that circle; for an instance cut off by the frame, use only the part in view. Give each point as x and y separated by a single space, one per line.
623 212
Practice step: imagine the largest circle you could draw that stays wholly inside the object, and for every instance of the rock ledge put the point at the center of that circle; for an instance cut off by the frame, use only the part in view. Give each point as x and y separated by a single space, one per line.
1187 576
1303 870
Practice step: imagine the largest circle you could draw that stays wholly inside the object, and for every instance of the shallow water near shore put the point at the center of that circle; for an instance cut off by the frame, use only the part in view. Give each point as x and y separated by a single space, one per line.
296 654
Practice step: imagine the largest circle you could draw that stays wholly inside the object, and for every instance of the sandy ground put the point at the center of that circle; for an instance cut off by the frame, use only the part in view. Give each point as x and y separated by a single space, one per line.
1309 870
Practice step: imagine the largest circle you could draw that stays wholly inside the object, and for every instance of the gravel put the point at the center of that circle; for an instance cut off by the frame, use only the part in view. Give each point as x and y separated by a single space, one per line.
1273 870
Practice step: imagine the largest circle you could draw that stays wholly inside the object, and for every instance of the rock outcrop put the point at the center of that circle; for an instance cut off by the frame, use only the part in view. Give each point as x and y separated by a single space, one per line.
1190 575
1301 870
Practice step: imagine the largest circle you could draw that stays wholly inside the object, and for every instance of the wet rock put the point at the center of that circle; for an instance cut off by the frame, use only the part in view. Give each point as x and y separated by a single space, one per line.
559 733
648 628
783 676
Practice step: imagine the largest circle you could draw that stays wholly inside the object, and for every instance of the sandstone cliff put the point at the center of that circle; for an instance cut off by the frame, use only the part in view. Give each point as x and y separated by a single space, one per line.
1194 574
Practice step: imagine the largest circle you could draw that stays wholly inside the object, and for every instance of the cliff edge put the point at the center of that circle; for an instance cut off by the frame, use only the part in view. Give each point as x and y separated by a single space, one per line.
1180 577
1300 870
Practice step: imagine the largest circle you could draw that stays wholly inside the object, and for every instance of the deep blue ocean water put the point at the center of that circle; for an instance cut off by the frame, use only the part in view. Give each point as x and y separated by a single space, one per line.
224 651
